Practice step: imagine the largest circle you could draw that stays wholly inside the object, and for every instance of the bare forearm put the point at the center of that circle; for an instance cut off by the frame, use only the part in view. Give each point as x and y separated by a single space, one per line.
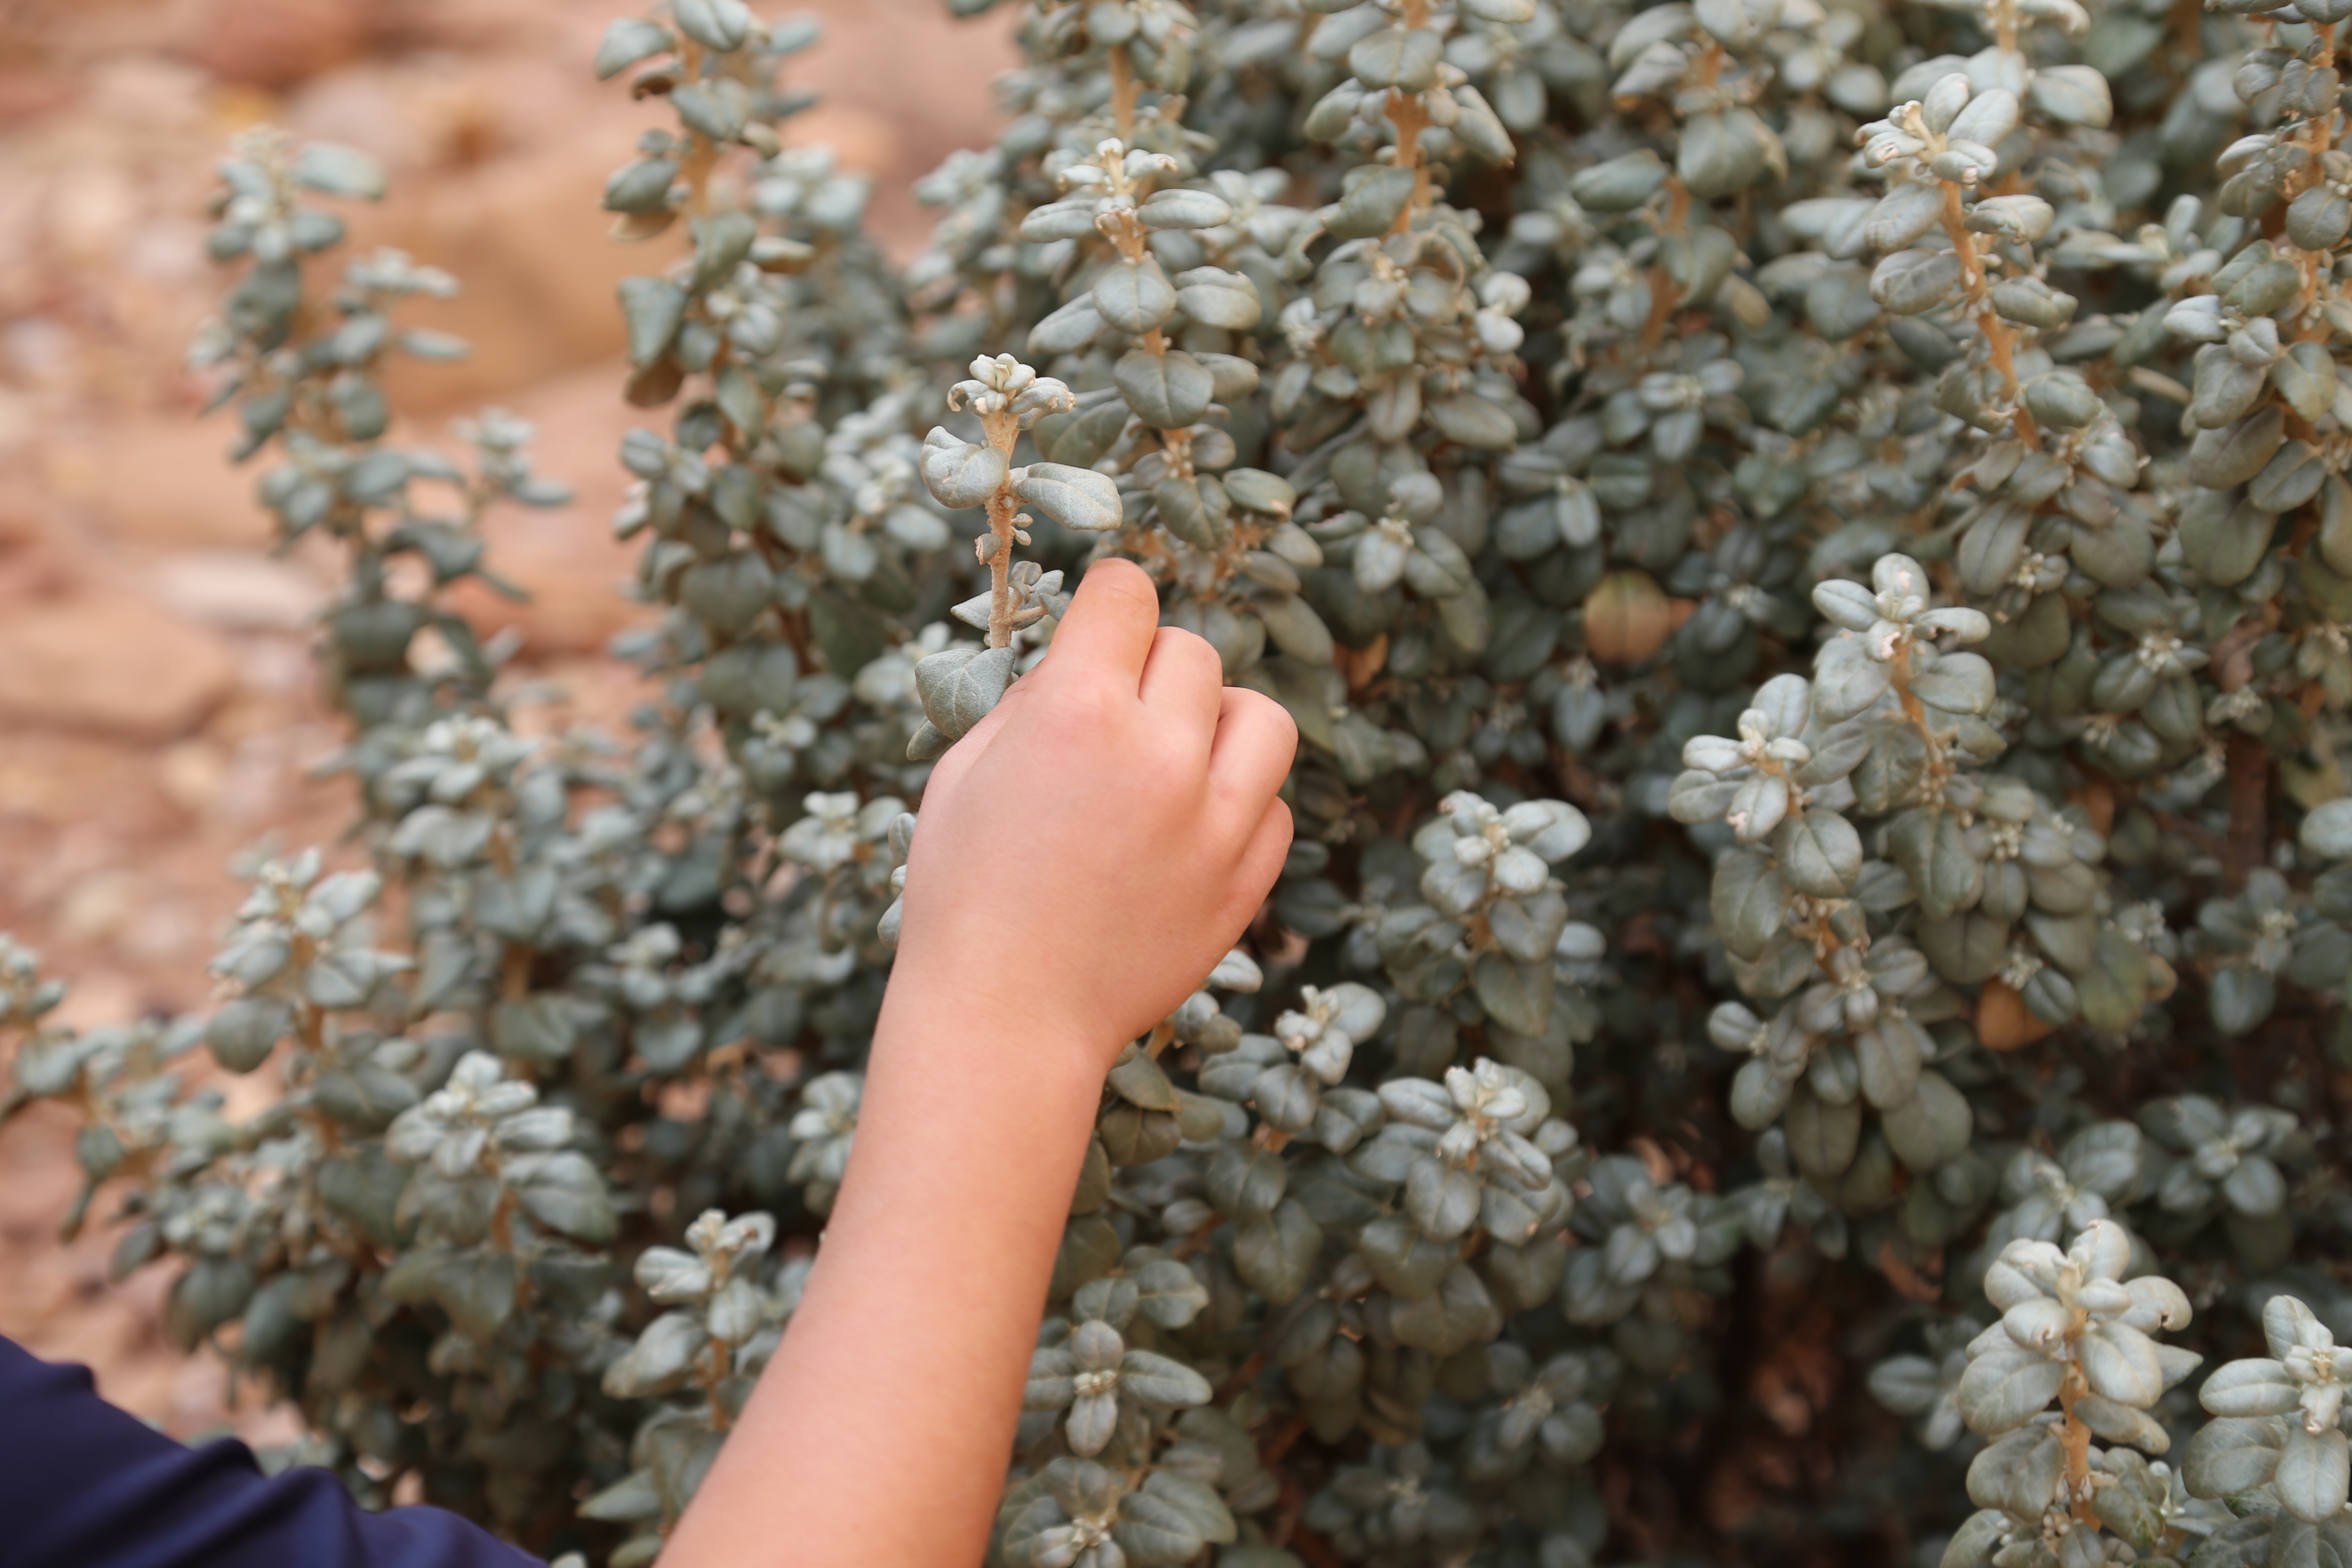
1120 775
881 1431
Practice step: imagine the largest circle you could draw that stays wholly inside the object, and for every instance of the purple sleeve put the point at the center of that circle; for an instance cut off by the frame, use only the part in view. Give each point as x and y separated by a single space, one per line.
84 1484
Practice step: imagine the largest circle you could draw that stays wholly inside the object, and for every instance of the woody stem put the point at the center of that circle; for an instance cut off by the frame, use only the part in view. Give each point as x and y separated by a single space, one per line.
1411 118
1003 429
2075 1438
1122 93
2000 340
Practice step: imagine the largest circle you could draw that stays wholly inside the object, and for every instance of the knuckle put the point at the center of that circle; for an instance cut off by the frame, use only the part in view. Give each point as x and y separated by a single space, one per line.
1275 830
1265 711
1256 713
1178 642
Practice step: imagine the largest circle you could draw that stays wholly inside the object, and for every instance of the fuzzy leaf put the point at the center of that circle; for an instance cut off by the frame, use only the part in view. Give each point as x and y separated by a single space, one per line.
1079 498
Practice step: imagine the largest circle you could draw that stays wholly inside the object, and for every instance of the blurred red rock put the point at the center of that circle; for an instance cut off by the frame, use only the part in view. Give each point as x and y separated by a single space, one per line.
166 479
527 240
271 43
566 556
111 662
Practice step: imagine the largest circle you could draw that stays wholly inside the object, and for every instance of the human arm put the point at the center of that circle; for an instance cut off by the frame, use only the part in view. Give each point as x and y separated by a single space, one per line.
1086 856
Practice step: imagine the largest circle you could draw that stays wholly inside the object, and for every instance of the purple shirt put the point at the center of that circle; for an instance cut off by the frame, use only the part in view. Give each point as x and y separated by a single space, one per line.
84 1484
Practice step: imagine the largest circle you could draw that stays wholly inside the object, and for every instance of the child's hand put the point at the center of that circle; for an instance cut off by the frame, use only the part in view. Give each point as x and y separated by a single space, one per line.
1084 857
1093 846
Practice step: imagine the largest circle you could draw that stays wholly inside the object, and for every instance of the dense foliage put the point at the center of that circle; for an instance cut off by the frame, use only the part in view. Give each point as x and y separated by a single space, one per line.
1809 549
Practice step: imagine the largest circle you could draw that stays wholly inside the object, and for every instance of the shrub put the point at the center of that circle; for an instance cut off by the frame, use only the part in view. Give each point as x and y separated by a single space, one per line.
1821 676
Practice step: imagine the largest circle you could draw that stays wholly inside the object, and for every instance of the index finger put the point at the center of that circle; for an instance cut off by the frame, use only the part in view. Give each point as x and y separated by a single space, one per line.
1107 634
